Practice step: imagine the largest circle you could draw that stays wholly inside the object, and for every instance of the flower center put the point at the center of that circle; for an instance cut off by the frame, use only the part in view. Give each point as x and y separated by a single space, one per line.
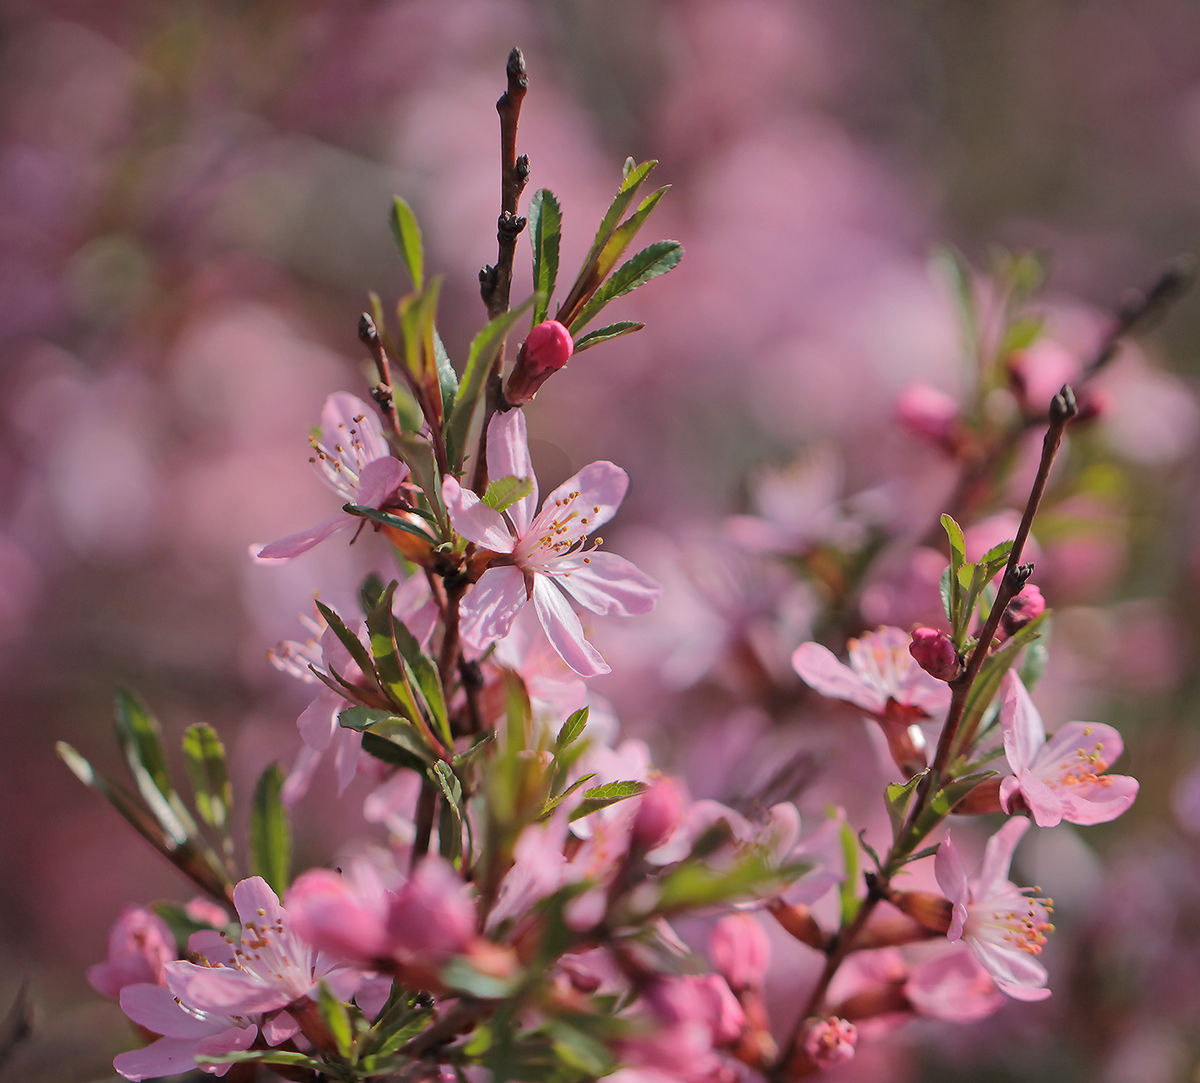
1019 923
1087 768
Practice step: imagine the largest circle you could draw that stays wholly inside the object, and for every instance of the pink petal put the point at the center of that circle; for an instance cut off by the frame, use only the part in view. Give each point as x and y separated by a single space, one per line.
328 914
1062 750
606 583
564 631
1009 788
600 486
997 856
474 520
508 457
952 879
279 1028
256 903
1015 972
211 947
489 607
222 990
953 986
1024 734
820 670
318 721
1096 804
235 1039
343 412
346 754
155 1008
167 1056
1043 802
295 786
295 544
373 994
379 479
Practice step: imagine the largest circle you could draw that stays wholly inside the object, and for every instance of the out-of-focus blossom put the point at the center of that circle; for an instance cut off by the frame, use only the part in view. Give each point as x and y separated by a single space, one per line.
139 947
929 414
353 459
954 986
659 813
1063 778
831 1041
1004 926
740 950
1039 372
545 548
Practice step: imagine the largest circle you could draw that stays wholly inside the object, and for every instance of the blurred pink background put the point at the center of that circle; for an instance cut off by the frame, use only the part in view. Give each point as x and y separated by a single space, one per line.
193 204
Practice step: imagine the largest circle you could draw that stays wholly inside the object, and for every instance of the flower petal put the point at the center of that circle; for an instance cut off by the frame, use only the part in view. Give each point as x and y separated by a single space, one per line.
951 876
295 786
155 1008
167 1056
488 609
508 457
583 502
235 1039
347 416
997 856
474 520
1043 802
379 479
1024 734
222 990
606 583
279 1028
294 544
346 754
820 670
318 721
1015 972
1093 803
1061 752
256 903
564 631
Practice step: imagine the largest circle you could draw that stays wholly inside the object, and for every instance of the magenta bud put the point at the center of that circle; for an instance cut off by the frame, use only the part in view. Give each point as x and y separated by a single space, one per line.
935 654
659 813
929 414
830 1041
545 350
1025 607
740 950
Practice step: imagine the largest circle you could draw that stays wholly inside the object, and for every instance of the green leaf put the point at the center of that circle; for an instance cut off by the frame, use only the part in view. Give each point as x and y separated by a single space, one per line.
897 798
270 832
377 516
609 794
204 755
849 899
957 273
421 671
997 556
571 730
333 1011
394 751
447 377
694 884
545 229
353 645
386 655
361 718
467 759
1036 660
484 348
928 851
943 801
369 591
658 259
1022 333
443 776
631 181
947 594
604 334
554 802
408 239
263 1056
461 976
958 544
503 493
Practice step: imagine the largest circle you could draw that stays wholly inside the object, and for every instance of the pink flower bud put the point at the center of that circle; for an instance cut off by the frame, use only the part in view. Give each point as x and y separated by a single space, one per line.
659 813
935 654
139 947
546 349
1025 607
830 1041
929 414
740 950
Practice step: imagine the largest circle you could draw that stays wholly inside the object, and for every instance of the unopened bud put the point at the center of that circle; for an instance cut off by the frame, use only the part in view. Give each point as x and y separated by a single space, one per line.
929 414
983 799
799 922
931 911
658 814
935 654
830 1041
546 349
1063 406
740 950
1025 607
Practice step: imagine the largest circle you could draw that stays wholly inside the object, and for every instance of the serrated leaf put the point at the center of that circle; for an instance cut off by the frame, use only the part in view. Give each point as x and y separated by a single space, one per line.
545 230
609 794
554 802
204 755
484 348
408 239
657 259
270 832
897 798
333 1011
605 334
571 730
503 493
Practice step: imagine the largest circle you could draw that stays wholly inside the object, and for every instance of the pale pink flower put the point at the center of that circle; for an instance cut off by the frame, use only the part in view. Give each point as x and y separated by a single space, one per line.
139 947
954 986
881 670
543 554
1063 778
267 968
830 1041
740 950
1003 926
353 458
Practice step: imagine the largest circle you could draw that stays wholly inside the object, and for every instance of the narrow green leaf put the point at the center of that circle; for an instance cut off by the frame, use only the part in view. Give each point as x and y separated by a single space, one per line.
554 802
849 899
503 493
545 230
447 377
943 801
450 828
629 166
897 798
333 1011
270 832
946 594
958 544
204 755
140 738
1022 333
658 259
386 655
353 645
361 718
471 755
484 348
609 794
604 334
377 516
461 976
262 1056
422 671
394 751
408 239
571 730
928 851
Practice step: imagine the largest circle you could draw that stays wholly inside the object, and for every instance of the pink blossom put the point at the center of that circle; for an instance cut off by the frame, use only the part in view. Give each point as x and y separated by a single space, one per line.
139 947
739 949
830 1041
934 652
1063 778
1001 924
881 670
659 813
929 414
186 1033
1040 371
352 457
267 968
953 986
542 554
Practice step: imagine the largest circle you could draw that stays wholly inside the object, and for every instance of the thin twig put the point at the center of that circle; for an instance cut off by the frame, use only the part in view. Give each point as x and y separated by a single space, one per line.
384 394
426 806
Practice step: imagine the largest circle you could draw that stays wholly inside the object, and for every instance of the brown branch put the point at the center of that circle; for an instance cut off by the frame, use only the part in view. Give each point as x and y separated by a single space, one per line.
444 1030
384 393
495 282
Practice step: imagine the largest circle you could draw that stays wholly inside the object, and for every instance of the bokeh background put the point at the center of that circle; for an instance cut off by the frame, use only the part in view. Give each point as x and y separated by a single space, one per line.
193 201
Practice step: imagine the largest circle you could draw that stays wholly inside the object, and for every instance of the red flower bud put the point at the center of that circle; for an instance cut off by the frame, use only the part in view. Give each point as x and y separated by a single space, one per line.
545 350
1025 607
935 654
